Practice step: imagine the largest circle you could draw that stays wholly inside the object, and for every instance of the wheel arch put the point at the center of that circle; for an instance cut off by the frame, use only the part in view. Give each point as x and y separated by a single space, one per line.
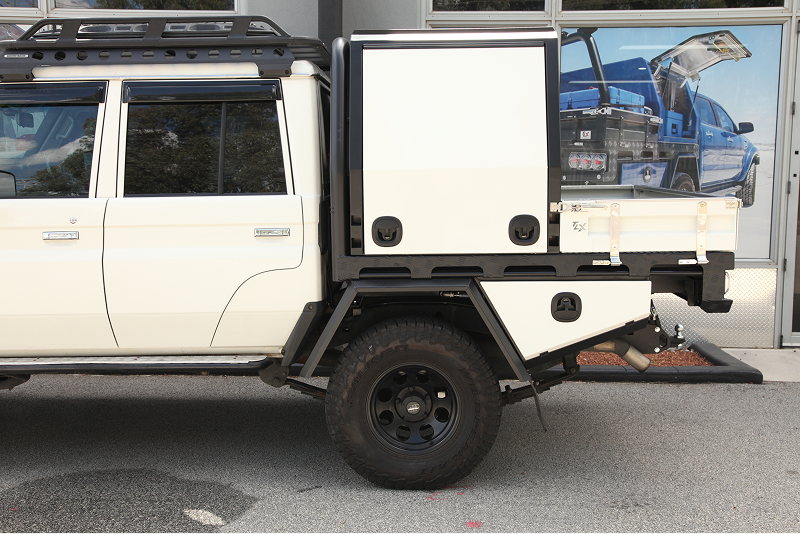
497 344
686 164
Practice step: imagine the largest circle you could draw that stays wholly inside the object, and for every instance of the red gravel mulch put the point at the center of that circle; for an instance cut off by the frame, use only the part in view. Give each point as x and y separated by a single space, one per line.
662 359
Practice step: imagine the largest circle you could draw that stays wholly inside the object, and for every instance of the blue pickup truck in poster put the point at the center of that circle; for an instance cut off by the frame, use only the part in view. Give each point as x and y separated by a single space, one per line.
637 122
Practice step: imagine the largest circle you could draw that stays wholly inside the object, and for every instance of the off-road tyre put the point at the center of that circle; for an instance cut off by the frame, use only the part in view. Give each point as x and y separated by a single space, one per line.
748 190
683 182
372 392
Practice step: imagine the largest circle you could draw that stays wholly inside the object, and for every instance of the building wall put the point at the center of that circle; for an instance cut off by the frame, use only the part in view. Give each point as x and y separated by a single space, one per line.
379 15
298 17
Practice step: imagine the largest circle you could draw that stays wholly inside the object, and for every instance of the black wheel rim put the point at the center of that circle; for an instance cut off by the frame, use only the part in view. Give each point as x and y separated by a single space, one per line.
413 408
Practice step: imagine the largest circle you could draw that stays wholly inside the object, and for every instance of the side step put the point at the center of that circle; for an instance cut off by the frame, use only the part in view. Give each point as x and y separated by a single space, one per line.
134 364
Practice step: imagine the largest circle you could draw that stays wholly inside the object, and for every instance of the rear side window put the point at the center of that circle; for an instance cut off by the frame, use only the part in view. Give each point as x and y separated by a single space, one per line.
47 139
705 111
216 143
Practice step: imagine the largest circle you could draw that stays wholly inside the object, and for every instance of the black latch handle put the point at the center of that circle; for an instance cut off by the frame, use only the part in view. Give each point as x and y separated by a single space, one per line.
524 230
387 231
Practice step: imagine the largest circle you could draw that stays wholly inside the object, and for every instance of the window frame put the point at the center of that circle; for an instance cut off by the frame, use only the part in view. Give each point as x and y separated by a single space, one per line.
123 136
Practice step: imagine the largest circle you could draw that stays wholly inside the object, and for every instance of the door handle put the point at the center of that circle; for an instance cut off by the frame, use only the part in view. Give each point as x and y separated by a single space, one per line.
709 134
271 232
59 236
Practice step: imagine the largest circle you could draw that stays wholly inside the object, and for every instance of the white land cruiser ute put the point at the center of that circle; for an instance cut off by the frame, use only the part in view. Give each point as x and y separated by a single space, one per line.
182 195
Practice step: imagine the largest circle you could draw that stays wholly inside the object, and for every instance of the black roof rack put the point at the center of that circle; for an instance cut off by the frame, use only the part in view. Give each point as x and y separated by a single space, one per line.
157 40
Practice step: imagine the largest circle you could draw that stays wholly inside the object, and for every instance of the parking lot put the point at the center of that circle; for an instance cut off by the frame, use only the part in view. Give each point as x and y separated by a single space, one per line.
170 453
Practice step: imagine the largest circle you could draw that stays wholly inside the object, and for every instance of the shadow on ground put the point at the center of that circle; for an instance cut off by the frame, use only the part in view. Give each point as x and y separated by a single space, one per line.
131 500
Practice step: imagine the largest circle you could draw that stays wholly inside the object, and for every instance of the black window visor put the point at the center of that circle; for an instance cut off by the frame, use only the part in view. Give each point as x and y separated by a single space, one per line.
200 91
53 93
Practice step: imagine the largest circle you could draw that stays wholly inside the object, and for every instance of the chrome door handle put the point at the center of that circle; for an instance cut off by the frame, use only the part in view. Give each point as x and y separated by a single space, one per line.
59 236
271 232
709 134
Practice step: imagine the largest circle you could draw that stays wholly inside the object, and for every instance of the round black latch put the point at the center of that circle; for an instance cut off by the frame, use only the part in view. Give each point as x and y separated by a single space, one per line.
387 231
524 230
566 307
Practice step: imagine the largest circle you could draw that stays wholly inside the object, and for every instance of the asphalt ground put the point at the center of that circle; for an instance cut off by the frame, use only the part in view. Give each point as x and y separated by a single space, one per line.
205 454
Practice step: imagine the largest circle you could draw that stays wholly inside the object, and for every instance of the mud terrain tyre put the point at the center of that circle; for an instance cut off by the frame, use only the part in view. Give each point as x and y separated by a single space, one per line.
748 191
413 404
683 182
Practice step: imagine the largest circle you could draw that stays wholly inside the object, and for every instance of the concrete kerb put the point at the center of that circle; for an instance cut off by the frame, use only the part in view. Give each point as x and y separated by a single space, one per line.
726 369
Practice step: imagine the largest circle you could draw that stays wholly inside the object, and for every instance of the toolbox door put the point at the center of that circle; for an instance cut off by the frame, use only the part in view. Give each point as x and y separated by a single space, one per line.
454 163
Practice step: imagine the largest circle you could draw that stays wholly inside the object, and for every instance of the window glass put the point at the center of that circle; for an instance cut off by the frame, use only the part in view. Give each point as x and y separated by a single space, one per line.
647 117
253 153
171 5
11 32
488 5
725 122
183 149
19 3
703 108
46 149
586 5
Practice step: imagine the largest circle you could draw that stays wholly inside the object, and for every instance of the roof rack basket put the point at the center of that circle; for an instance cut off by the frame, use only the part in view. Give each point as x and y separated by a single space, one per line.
149 41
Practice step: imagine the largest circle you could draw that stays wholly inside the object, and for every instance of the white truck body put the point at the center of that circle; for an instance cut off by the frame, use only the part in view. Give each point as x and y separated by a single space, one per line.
219 203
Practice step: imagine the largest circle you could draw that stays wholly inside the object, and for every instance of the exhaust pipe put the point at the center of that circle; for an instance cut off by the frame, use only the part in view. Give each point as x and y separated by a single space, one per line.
624 350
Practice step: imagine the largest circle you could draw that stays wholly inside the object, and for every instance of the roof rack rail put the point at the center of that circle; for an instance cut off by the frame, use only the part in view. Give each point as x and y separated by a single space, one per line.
158 40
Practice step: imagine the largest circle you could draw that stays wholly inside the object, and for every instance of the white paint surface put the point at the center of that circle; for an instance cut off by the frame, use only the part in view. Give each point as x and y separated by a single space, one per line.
172 264
452 156
525 310
52 294
649 224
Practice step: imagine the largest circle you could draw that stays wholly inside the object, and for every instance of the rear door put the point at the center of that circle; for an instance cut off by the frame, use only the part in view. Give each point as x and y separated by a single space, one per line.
51 226
204 202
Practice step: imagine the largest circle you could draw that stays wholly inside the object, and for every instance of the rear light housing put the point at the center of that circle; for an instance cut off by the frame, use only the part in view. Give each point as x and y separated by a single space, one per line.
587 161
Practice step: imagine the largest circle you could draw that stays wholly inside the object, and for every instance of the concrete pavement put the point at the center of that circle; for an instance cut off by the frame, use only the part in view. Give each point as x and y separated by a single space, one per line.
777 365
216 454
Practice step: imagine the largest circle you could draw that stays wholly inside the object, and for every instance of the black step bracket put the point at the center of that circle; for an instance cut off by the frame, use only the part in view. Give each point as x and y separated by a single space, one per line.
272 50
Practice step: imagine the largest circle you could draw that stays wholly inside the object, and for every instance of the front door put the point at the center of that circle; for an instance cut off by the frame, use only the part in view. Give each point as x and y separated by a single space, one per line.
712 143
51 227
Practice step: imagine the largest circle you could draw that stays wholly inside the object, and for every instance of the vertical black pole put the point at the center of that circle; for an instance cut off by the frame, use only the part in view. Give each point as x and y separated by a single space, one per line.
222 128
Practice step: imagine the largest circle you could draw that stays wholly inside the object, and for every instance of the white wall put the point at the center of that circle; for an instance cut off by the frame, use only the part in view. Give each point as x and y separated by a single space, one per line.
297 17
379 15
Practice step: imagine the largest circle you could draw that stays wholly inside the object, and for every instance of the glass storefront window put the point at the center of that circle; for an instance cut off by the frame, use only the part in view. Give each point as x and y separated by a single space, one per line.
691 109
488 5
171 5
592 5
18 3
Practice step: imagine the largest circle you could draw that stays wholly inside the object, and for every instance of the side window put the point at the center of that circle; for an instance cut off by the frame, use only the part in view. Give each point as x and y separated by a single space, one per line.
705 111
45 148
725 121
201 147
